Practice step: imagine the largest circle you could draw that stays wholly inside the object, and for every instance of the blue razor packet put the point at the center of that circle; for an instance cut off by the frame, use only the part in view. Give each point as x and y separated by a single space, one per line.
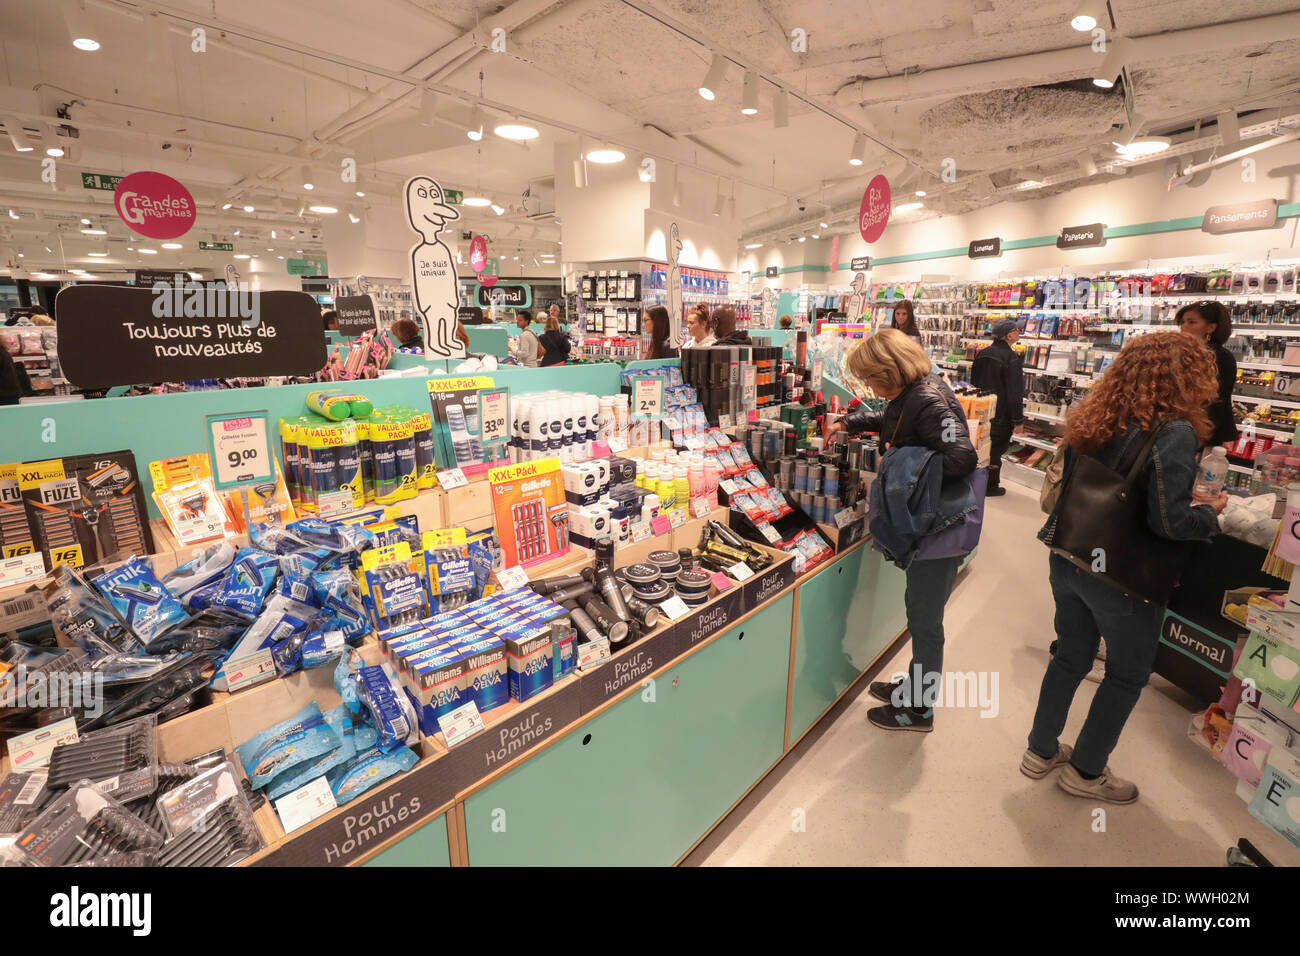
289 743
246 584
387 707
366 770
148 607
195 583
297 587
338 593
345 679
339 721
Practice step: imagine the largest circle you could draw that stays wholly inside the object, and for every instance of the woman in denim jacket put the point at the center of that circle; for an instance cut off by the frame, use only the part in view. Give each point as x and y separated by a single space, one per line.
1163 381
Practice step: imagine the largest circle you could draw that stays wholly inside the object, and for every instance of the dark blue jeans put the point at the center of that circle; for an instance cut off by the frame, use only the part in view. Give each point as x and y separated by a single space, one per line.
1088 609
928 585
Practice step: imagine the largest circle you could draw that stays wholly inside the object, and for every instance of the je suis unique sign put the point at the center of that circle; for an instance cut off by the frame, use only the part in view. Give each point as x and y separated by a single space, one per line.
433 268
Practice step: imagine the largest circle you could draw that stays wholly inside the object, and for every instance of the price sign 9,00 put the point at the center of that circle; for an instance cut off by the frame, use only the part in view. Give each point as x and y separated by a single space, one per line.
239 448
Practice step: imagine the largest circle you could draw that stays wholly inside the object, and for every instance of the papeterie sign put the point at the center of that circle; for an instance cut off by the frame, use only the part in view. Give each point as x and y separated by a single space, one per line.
357 314
154 205
1078 237
1240 217
861 263
985 248
116 335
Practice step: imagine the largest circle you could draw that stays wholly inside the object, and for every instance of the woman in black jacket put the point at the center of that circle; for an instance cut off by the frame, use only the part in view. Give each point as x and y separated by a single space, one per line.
923 412
554 342
1210 323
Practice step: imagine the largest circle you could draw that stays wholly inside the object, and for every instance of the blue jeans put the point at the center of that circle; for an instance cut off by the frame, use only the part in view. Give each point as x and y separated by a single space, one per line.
929 582
1088 609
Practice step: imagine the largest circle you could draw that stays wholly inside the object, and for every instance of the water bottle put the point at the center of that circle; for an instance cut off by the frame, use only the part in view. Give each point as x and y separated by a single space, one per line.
1210 476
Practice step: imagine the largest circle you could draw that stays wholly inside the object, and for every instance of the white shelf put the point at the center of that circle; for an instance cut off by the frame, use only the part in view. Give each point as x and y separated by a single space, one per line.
1058 343
1241 469
1054 419
1265 401
1285 331
1270 366
1022 474
1035 442
1271 430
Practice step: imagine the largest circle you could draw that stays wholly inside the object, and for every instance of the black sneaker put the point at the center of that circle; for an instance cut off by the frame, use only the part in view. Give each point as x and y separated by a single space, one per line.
883 690
997 491
890 717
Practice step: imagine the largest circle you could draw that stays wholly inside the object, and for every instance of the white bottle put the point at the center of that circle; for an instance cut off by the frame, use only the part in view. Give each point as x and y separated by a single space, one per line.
537 440
523 431
1210 476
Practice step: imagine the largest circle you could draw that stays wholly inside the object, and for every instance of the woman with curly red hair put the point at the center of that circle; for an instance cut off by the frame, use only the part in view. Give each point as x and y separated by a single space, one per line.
1162 382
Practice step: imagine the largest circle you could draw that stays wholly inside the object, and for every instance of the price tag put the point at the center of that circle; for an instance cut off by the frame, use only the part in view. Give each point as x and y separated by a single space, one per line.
721 581
593 653
462 723
452 478
727 485
640 530
494 415
239 447
677 517
674 607
333 503
20 568
740 571
700 507
816 381
617 446
800 563
302 806
769 532
512 578
249 670
843 517
724 421
693 442
647 397
660 524
748 384
31 750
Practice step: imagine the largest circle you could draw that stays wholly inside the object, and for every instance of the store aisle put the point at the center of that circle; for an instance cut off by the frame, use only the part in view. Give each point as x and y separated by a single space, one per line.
956 796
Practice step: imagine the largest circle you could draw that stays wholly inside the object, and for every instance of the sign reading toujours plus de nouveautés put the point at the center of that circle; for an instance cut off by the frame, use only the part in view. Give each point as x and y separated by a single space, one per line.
357 314
1078 237
117 335
1240 217
985 248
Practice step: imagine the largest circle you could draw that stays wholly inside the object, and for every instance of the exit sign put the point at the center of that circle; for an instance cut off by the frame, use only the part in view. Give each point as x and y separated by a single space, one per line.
305 267
216 246
454 196
100 181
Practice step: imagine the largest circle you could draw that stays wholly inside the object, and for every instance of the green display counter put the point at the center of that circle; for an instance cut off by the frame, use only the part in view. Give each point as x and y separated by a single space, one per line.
427 846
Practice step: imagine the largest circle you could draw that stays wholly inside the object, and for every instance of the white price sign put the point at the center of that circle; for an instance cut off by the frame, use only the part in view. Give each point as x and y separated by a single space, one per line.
727 485
677 517
843 517
452 478
461 724
640 530
674 607
333 503
494 415
593 653
740 571
748 384
700 507
512 578
249 670
617 446
299 808
647 397
816 375
240 447
724 421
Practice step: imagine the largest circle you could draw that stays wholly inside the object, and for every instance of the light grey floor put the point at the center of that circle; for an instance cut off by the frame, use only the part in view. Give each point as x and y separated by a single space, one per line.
850 794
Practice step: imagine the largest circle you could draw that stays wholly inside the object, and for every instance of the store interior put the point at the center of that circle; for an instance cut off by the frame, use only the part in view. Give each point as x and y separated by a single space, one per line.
293 450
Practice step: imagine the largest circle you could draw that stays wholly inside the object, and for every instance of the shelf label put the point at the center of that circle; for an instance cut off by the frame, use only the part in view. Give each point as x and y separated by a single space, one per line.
727 485
617 446
677 517
333 503
239 447
593 653
640 530
674 607
740 571
513 578
700 507
21 568
461 724
769 532
722 582
31 750
249 670
302 806
660 524
452 478
494 415
843 517
647 398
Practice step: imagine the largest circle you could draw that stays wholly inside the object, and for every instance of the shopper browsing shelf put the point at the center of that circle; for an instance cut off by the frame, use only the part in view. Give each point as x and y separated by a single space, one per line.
724 327
554 342
1000 369
698 333
785 321
905 319
408 334
528 348
1159 385
655 329
922 413
1210 323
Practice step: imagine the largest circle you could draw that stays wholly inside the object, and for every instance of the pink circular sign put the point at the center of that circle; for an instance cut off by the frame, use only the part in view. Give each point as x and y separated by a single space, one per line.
873 214
154 205
478 253
487 279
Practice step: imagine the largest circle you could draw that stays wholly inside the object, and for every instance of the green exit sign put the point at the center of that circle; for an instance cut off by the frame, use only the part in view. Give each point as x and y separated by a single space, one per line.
306 267
216 246
100 181
454 196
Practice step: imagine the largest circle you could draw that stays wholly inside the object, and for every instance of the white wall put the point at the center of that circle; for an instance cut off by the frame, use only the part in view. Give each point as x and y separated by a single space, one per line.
605 219
378 245
705 245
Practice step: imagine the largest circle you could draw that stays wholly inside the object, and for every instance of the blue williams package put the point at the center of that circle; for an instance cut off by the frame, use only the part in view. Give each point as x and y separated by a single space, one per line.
246 584
289 743
148 607
486 674
350 780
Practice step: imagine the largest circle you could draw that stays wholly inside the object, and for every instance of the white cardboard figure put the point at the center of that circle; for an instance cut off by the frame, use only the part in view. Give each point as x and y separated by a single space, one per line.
433 269
858 301
675 304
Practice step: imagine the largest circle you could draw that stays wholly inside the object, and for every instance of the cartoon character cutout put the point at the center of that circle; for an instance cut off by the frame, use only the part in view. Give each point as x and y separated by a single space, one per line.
675 305
433 269
858 301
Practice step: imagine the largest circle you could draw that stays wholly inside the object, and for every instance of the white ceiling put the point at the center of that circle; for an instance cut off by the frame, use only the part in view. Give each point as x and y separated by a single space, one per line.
999 86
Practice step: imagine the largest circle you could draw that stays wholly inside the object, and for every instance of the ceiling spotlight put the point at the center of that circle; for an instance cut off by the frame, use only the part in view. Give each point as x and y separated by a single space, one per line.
824 225
754 245
475 129
749 94
242 255
580 172
94 232
148 252
1088 14
225 206
803 238
249 208
306 178
17 135
1143 146
606 155
713 79
12 214
360 194
476 201
98 255
718 202
920 192
499 210
237 232
55 151
908 206
78 272
79 30
85 222
1113 63
324 210
515 129
816 235
677 185
859 148
173 245
781 110
352 218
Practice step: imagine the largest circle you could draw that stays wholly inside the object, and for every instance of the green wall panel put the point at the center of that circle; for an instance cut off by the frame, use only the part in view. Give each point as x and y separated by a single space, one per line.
490 339
652 776
427 846
887 585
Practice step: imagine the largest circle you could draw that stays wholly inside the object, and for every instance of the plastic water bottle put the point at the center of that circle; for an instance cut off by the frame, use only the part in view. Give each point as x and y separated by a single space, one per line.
1210 476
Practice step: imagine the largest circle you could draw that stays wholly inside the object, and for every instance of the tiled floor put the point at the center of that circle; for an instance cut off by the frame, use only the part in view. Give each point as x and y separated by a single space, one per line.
850 794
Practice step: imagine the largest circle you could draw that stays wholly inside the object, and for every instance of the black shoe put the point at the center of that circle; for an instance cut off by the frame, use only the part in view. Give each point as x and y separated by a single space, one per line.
997 491
883 690
890 717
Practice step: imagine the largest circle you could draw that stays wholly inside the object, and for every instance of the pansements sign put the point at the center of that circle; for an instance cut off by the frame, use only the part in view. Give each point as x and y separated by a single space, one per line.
154 205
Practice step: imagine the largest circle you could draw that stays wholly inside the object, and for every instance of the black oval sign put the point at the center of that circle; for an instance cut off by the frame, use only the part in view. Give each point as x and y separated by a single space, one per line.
357 314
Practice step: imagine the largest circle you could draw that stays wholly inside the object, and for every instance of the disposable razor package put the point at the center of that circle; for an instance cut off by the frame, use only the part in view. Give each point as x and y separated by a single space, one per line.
84 509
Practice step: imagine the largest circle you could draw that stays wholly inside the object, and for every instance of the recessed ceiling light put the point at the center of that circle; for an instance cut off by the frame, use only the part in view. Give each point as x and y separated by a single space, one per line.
242 255
515 129
803 238
78 272
476 201
55 151
86 43
908 206
324 210
225 206
148 252
97 255
824 225
85 222
1143 146
94 232
360 194
606 155
816 235
279 257
920 192
249 208
236 232
1087 15
754 245
173 245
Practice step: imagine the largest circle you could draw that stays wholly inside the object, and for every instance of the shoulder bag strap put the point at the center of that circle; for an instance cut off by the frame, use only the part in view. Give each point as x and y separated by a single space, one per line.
1144 453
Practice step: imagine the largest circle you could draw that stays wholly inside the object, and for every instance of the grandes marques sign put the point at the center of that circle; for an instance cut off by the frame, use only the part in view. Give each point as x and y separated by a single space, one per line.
154 205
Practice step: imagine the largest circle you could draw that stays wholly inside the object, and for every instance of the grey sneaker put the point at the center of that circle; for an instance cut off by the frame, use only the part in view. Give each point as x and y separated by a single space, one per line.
1036 767
1107 788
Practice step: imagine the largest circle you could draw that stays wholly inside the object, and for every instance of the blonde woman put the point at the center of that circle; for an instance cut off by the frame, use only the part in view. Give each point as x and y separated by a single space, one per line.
922 412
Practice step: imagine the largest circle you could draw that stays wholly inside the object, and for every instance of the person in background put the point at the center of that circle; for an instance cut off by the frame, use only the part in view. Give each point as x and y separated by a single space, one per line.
655 328
785 321
528 349
999 369
905 319
407 334
40 316
330 318
14 383
1209 322
698 333
724 327
553 312
922 412
554 340
1160 382
462 336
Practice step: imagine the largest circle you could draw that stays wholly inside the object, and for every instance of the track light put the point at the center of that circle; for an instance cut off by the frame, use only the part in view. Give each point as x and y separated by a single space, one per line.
749 94
250 209
856 154
17 135
516 129
475 129
1113 63
1229 130
781 110
499 210
1086 165
225 206
713 79
580 172
55 151
606 154
718 201
1088 14
677 185
428 104
306 178
79 29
